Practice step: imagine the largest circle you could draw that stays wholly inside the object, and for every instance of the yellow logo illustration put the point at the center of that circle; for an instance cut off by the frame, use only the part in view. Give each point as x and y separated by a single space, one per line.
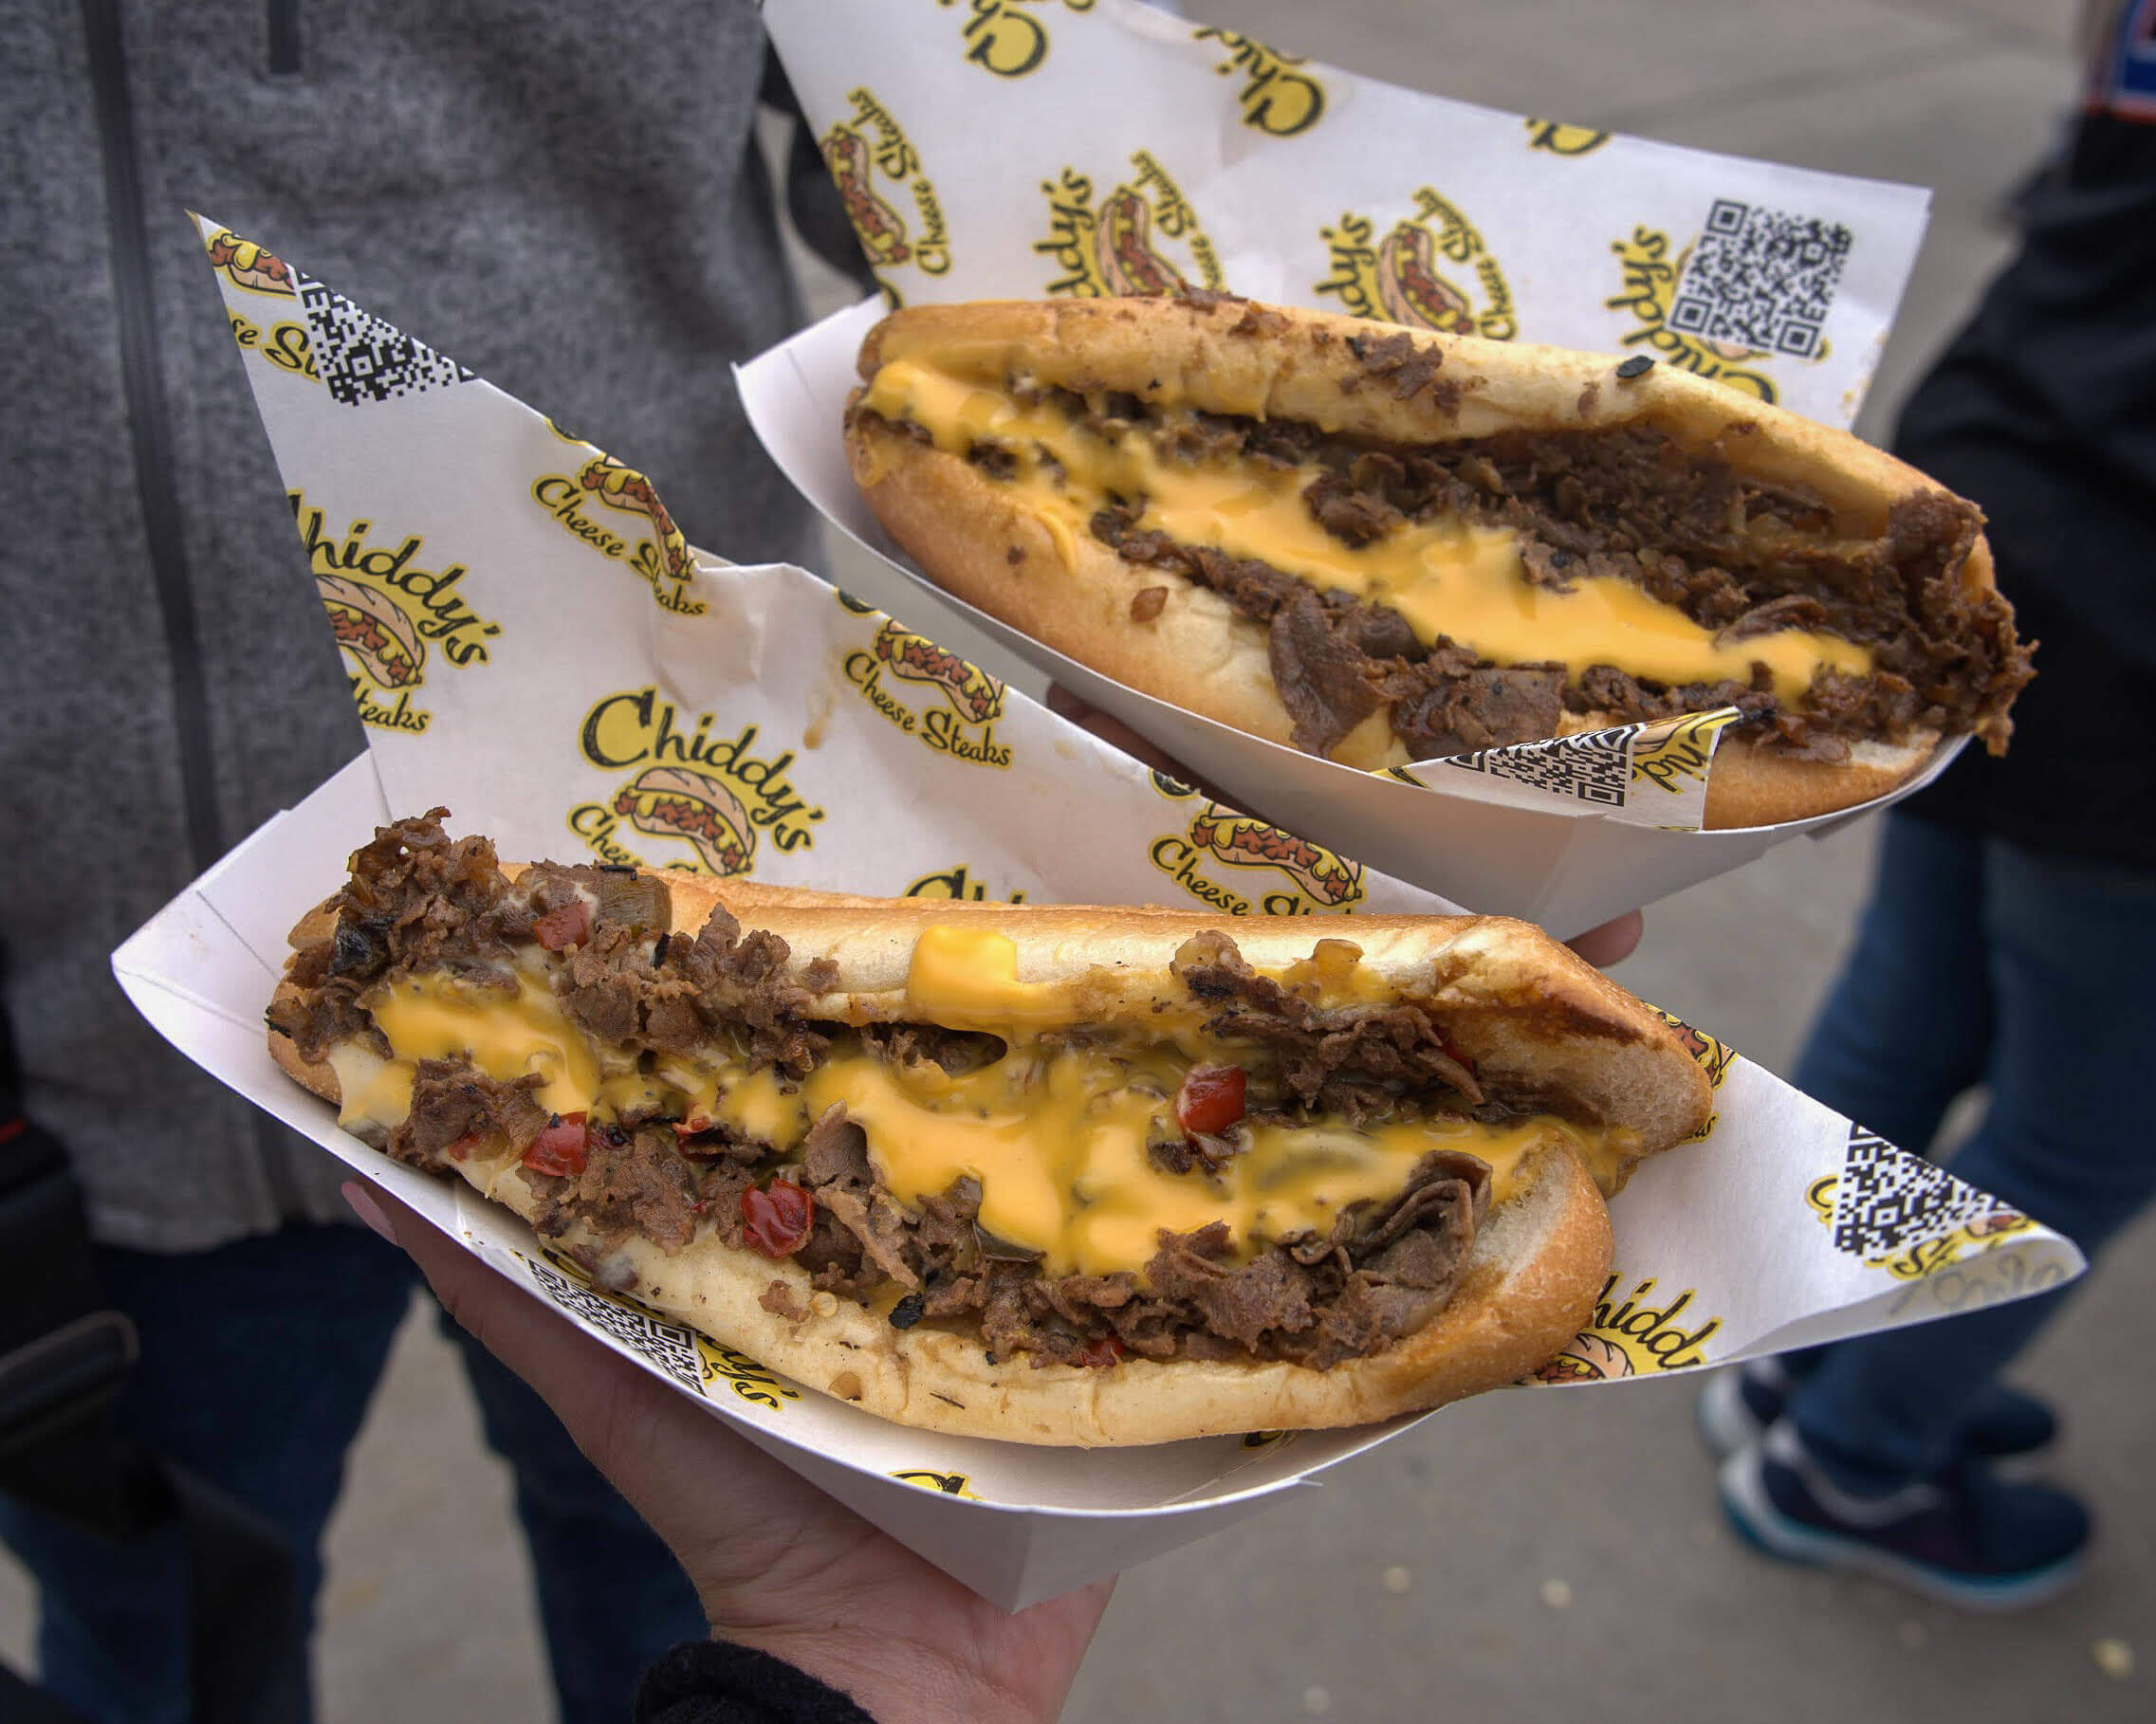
710 792
246 265
961 724
1006 36
855 162
386 610
1320 880
1399 279
1911 1262
1562 140
1681 751
950 1484
1650 277
1714 1058
1276 99
749 1380
1634 1336
954 884
613 509
1123 246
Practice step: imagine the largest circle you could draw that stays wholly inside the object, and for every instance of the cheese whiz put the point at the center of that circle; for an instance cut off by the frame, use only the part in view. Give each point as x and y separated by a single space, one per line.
1383 546
1056 1175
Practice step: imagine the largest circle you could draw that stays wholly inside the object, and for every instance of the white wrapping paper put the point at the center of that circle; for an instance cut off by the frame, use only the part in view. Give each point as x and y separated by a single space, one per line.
1009 149
438 505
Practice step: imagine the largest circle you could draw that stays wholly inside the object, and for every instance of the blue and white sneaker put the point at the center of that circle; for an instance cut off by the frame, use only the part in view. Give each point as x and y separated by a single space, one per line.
1966 1538
2011 1433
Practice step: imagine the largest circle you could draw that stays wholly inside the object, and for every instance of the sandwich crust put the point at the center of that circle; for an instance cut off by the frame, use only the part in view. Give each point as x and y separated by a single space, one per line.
1520 1008
972 537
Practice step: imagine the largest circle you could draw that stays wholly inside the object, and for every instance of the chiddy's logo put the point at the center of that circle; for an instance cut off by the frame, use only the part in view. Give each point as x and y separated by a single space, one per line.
1714 1058
1124 247
246 265
713 794
961 724
1006 36
1398 280
950 1484
613 508
1640 1333
1914 1261
1560 139
1276 97
956 884
387 610
855 162
1320 881
1650 277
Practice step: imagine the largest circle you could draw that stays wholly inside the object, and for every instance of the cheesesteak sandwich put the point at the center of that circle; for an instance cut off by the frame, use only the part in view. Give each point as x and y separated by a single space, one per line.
1045 1174
1381 546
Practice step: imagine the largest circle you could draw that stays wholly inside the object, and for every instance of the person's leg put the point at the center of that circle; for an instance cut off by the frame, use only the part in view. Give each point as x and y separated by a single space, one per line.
258 1362
2066 1139
1905 1027
612 1599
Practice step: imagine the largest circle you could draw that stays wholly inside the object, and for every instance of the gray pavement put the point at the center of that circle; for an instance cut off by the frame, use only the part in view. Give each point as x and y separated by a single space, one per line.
1518 1557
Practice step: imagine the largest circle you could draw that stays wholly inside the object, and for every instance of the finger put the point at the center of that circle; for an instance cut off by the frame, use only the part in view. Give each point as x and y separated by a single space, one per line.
1613 942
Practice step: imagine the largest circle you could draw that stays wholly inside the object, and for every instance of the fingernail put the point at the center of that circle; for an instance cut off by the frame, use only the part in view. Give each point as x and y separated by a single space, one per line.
367 1209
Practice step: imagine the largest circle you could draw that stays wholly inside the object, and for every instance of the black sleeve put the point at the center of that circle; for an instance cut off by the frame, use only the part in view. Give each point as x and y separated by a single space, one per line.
812 200
715 1682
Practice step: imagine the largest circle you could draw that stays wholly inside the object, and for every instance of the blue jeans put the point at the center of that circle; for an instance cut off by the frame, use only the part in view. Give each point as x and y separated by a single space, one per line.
1980 962
258 1362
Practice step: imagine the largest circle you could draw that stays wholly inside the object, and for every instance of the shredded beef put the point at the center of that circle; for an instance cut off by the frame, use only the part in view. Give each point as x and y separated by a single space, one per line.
1319 673
1739 556
451 1102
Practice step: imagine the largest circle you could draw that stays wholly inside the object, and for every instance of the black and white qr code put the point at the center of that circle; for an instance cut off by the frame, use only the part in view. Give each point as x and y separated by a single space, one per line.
1760 280
1887 1199
665 1345
1592 768
361 359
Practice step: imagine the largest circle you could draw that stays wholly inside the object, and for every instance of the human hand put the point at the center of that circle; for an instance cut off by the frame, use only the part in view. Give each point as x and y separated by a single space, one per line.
1611 943
778 1565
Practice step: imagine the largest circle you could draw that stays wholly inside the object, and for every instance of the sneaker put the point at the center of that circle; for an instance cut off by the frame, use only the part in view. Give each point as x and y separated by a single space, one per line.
1966 1538
2010 1432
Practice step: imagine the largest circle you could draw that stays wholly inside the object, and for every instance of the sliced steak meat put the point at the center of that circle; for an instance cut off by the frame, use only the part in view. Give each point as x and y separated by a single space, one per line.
1391 1051
452 1101
1438 711
1320 674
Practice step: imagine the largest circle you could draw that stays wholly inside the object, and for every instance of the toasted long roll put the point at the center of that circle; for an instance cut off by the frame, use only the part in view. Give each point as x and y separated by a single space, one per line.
1384 545
1056 1175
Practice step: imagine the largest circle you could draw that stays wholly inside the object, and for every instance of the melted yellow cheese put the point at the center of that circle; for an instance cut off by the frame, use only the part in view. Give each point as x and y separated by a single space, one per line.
1446 578
504 1035
1058 1139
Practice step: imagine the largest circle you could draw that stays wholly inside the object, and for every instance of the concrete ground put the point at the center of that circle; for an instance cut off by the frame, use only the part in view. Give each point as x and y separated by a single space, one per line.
1520 1556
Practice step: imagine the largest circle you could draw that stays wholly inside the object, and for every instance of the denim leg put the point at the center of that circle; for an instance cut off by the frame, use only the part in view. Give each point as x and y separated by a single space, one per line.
1906 1028
258 1362
2069 951
612 1599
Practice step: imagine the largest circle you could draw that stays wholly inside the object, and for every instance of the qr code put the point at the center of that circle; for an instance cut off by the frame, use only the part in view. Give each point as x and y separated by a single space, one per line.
664 1345
1760 280
1593 767
1887 1199
362 358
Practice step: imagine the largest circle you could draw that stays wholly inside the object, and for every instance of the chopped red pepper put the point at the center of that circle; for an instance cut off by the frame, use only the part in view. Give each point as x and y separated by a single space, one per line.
692 1127
568 926
1105 1351
1211 1100
778 1217
562 1148
464 1146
